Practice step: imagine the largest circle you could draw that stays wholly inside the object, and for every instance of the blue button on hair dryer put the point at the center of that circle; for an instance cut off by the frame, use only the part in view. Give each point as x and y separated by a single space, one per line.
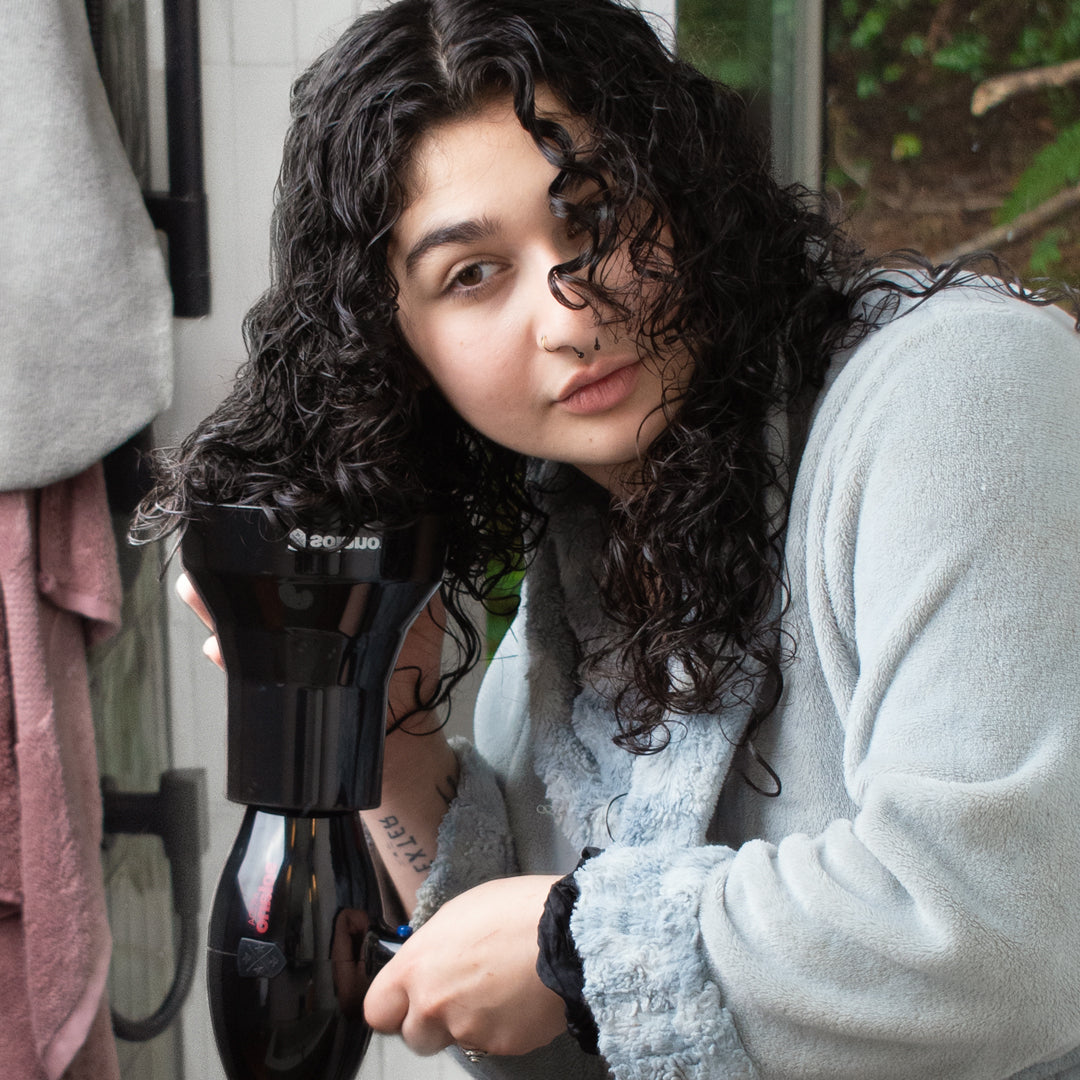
310 624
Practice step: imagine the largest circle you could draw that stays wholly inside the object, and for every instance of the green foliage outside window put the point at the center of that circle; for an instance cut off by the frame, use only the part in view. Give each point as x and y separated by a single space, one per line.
907 57
731 42
904 149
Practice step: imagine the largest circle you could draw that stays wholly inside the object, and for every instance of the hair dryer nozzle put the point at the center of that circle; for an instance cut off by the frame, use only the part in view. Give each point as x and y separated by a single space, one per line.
310 623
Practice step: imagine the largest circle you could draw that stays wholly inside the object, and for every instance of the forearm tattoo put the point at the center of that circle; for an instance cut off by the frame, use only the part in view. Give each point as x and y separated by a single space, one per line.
404 846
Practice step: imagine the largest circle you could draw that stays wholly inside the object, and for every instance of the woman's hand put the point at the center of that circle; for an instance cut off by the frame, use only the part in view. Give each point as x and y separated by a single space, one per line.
186 591
468 975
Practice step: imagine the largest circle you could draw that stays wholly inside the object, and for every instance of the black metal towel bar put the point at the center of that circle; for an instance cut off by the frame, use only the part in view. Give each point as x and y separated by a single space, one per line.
181 211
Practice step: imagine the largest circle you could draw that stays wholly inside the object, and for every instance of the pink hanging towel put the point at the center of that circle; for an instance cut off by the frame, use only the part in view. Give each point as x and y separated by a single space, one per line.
59 590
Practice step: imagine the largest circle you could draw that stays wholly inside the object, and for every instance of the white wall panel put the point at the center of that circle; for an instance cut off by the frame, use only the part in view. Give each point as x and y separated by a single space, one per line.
263 31
318 25
215 27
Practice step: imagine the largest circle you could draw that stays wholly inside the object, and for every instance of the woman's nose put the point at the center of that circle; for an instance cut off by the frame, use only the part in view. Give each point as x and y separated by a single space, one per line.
566 328
568 322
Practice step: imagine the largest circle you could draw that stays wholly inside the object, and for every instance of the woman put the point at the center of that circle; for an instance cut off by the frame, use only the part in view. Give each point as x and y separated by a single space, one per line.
797 649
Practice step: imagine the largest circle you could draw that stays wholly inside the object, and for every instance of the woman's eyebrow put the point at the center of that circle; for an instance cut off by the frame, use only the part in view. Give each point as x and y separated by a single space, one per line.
461 232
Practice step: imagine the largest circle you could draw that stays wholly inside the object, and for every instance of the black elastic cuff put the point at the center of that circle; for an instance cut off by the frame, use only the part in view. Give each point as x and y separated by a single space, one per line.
558 964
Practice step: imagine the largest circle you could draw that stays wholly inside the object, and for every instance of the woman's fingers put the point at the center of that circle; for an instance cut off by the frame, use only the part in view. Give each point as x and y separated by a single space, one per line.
386 1009
389 1009
212 651
186 591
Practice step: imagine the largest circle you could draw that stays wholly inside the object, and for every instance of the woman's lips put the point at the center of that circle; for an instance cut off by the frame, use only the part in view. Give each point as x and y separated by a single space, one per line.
588 393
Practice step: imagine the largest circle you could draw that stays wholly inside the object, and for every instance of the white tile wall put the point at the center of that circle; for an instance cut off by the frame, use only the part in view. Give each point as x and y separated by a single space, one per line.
263 32
319 23
215 25
251 50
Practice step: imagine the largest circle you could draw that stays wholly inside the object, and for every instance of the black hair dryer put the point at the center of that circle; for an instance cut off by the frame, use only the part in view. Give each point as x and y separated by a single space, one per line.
310 624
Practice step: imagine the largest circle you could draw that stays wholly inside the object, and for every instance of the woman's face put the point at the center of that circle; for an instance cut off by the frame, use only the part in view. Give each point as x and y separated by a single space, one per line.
471 254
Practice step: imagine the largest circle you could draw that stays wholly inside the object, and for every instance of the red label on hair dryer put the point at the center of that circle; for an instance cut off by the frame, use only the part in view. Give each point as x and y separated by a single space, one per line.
259 912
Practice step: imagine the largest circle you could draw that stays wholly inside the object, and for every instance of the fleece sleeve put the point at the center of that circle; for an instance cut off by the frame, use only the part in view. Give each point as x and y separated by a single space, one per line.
474 842
936 931
492 828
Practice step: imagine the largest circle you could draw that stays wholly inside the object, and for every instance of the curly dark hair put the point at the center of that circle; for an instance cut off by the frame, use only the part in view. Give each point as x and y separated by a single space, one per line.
754 280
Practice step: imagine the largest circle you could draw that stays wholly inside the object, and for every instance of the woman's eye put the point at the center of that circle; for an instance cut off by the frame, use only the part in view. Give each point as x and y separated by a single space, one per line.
472 276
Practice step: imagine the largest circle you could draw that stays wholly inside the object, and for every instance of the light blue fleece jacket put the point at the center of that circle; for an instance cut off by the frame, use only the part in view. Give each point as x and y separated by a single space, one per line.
909 907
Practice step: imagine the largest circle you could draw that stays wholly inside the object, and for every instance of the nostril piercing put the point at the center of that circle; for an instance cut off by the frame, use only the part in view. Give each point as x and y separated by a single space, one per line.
576 351
596 344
